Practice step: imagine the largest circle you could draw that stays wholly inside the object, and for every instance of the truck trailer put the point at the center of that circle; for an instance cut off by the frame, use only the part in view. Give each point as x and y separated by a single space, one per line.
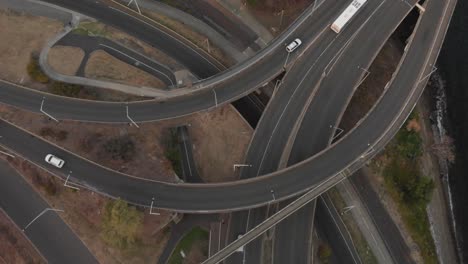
347 15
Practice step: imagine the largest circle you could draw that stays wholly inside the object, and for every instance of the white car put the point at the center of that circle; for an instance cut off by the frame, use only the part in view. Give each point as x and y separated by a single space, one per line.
241 249
293 45
55 161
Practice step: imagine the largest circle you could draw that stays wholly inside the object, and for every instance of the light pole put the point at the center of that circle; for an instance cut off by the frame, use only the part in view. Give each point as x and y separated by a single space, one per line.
281 20
241 165
286 62
39 215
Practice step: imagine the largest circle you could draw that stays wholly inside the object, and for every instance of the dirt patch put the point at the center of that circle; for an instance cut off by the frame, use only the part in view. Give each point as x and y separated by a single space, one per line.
25 35
14 246
103 66
21 36
83 213
65 60
220 139
413 125
277 15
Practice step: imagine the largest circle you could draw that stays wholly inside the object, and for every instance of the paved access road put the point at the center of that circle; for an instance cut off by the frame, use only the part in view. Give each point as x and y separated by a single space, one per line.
50 235
140 61
109 15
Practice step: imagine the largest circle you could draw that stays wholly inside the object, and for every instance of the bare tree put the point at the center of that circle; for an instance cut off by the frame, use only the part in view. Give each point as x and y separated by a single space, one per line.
445 149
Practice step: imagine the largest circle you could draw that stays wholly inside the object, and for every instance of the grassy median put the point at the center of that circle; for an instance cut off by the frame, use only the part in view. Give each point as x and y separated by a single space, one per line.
408 187
195 236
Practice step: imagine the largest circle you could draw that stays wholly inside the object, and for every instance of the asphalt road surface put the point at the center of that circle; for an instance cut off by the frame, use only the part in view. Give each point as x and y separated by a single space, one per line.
187 55
387 228
50 235
140 61
243 81
291 181
426 34
189 168
328 100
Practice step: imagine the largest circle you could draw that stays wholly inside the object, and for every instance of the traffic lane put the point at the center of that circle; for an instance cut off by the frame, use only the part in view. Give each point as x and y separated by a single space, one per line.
235 228
322 115
382 220
330 232
387 113
287 240
253 250
242 222
292 96
49 234
325 110
335 218
260 156
227 91
266 158
193 58
189 169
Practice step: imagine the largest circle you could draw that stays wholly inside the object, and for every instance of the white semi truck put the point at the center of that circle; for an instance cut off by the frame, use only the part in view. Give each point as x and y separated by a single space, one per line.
347 15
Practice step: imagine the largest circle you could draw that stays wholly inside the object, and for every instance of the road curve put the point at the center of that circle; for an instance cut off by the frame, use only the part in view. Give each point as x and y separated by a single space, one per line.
240 81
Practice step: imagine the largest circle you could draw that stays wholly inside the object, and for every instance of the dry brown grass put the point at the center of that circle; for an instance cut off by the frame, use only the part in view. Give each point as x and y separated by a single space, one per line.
65 60
220 140
269 13
103 66
22 35
14 246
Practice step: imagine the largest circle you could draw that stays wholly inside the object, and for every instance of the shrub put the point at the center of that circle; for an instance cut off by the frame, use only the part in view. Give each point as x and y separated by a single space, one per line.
120 148
35 71
172 151
50 187
196 236
59 135
88 142
409 144
324 253
412 188
120 224
65 89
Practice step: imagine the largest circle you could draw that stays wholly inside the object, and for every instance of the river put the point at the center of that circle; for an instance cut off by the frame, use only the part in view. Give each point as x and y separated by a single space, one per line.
453 69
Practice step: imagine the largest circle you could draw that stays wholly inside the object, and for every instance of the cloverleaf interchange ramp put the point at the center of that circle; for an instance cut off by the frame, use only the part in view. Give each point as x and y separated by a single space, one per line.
242 194
369 153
